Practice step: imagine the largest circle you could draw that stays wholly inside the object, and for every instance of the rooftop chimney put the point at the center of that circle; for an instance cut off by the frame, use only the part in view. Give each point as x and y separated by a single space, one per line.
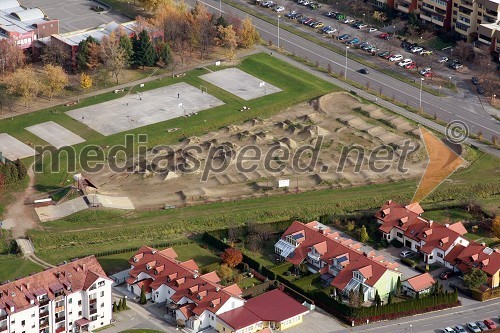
430 223
483 244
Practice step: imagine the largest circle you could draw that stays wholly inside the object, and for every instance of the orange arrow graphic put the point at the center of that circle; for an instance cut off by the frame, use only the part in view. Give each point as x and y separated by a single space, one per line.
443 161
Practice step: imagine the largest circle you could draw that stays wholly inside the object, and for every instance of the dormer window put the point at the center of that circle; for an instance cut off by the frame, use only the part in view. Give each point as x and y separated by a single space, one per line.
199 296
169 280
135 259
148 267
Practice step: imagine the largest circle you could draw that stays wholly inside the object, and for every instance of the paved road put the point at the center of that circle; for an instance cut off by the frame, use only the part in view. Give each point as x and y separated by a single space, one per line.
447 109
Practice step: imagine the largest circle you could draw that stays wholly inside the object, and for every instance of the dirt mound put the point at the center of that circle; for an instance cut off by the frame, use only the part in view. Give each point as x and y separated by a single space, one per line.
230 128
287 142
254 122
312 118
338 103
311 132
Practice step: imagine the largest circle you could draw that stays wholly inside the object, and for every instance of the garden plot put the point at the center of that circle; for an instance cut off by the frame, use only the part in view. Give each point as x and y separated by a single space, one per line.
55 134
239 83
13 149
145 108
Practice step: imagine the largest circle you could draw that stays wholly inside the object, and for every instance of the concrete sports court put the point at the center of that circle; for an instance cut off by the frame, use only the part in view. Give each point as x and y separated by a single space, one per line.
55 134
144 108
239 83
75 15
13 149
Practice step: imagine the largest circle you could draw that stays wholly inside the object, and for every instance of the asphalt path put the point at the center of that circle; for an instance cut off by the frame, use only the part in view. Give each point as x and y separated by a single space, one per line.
447 109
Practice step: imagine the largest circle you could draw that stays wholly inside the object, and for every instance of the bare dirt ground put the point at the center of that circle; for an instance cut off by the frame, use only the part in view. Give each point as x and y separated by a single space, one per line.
339 119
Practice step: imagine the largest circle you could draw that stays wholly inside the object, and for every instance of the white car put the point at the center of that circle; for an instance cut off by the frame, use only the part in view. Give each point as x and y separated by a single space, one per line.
372 30
443 59
448 330
405 62
396 57
361 26
416 49
306 2
331 31
460 329
279 9
348 20
425 71
473 327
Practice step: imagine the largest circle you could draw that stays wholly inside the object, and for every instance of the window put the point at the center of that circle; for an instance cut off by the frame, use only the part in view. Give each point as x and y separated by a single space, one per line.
399 234
70 300
440 255
79 313
70 313
80 302
100 284
102 293
33 326
33 315
102 305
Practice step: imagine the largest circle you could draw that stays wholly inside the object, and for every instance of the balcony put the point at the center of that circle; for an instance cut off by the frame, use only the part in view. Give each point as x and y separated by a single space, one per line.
59 309
59 298
58 320
3 328
3 317
44 313
93 311
60 330
466 3
44 325
44 301
92 300
425 17
312 256
403 9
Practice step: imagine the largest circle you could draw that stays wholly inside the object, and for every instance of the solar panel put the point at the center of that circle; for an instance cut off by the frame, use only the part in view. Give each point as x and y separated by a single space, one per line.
342 259
298 236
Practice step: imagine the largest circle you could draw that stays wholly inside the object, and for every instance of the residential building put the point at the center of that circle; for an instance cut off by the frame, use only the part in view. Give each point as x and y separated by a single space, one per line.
470 15
420 284
437 13
405 224
443 244
273 309
23 26
195 298
489 35
74 297
406 6
340 261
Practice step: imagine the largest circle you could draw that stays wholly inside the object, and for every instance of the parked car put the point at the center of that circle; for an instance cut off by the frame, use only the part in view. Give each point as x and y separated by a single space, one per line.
481 325
448 330
291 14
383 35
331 31
396 57
340 16
383 54
473 327
405 44
480 90
416 49
331 14
446 275
279 9
426 52
344 37
410 65
407 254
475 81
318 25
353 41
304 19
443 59
460 329
405 62
364 71
361 26
348 21
455 64
372 30
429 74
490 324
425 70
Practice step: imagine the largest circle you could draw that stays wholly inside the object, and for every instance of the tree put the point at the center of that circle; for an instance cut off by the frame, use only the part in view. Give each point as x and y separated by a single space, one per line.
164 54
475 278
142 299
55 54
54 80
144 52
127 47
389 299
363 235
224 272
232 257
228 40
124 303
495 226
24 83
398 286
353 298
114 307
150 4
11 56
378 300
85 81
113 55
84 53
361 296
119 305
464 51
249 35
21 170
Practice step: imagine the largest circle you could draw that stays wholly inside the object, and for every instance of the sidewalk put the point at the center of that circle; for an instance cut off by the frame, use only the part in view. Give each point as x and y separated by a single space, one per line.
394 108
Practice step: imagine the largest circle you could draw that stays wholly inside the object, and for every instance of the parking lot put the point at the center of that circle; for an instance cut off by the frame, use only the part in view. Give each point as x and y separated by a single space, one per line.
75 15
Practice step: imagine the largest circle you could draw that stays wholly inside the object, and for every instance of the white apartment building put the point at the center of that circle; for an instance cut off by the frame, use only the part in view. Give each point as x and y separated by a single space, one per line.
74 297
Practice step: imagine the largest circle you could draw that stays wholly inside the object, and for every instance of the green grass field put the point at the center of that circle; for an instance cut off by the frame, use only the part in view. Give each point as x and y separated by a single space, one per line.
13 267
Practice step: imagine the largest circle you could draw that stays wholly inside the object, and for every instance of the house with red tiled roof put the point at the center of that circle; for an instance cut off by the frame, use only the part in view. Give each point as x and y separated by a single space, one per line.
420 284
193 297
340 261
405 224
71 297
271 310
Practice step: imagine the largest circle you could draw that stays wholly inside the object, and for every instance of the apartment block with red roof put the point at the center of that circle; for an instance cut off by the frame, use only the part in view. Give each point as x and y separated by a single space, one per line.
406 224
438 243
192 297
340 261
74 297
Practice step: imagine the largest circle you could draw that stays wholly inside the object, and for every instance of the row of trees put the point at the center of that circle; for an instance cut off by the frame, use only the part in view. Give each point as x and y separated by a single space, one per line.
11 173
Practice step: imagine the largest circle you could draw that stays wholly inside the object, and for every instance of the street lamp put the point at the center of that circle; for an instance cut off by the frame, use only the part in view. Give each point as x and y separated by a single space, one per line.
494 99
279 32
421 82
449 84
411 328
220 8
345 73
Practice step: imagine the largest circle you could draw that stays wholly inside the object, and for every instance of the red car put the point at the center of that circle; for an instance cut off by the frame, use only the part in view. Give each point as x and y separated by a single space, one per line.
383 35
490 324
411 65
429 74
446 275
